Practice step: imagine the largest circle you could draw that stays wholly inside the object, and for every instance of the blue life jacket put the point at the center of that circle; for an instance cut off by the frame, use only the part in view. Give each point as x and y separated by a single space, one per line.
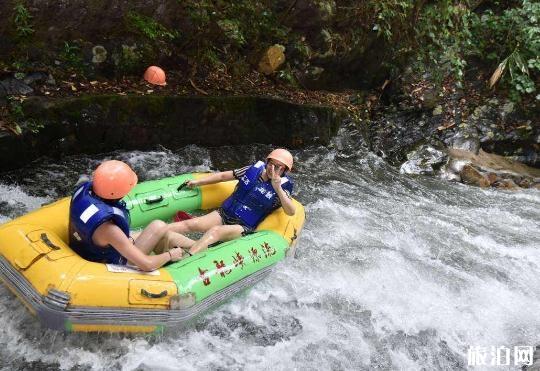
253 200
86 213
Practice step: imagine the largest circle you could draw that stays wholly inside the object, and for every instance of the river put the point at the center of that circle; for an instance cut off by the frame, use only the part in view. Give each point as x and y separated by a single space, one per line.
392 272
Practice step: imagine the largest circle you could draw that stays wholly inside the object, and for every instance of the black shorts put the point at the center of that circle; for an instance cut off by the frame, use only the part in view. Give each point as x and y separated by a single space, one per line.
228 220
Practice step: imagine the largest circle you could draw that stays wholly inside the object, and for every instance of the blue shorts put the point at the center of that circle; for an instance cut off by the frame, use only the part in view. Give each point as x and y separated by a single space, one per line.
231 220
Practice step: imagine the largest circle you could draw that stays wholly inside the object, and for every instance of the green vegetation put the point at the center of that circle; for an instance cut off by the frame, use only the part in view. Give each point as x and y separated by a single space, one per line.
22 20
18 121
150 28
442 38
72 56
449 33
512 37
230 31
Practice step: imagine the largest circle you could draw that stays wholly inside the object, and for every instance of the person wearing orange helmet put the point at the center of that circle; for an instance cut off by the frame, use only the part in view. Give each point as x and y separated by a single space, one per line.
99 223
262 188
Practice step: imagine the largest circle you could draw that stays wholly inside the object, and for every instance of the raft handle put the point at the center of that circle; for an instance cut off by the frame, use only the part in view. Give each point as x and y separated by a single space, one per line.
152 295
181 186
153 199
48 242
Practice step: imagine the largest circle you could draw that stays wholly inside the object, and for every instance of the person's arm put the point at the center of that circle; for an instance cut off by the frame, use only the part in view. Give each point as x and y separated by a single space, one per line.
213 178
286 203
110 234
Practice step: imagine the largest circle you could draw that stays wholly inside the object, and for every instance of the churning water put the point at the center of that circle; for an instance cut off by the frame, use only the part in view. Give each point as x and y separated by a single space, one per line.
392 272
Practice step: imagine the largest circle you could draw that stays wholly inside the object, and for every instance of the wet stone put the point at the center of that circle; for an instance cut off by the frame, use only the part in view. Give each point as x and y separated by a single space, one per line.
424 160
470 175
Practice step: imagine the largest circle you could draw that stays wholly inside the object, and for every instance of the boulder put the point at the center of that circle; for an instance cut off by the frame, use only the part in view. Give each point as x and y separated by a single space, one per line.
99 54
13 86
470 175
424 160
272 59
465 141
506 184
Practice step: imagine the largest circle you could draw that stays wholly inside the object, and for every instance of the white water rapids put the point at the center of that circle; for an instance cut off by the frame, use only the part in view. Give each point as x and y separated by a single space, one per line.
392 272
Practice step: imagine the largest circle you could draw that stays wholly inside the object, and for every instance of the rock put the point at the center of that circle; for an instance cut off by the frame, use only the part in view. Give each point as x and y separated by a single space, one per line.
456 165
272 59
315 72
492 177
34 77
50 80
99 54
495 163
430 98
525 183
507 108
467 142
506 184
424 160
470 175
102 123
13 86
449 175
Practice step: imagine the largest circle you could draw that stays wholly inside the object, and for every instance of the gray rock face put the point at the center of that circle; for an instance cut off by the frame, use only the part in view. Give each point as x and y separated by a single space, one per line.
424 160
93 124
13 86
466 141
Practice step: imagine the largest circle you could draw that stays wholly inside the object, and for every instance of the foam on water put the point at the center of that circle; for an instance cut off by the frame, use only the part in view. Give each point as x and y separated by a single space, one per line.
392 272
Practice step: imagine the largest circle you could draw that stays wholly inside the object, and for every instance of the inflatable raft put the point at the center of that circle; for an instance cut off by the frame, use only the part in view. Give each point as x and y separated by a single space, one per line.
69 293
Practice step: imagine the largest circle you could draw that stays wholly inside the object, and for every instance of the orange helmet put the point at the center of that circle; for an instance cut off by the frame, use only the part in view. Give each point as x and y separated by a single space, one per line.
283 156
113 180
155 75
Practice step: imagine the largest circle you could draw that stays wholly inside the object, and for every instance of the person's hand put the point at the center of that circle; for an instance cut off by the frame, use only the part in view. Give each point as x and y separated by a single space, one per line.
273 174
192 183
176 254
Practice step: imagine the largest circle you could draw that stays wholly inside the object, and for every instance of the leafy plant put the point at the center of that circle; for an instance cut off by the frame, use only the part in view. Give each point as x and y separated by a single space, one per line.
150 28
71 55
231 28
513 36
22 20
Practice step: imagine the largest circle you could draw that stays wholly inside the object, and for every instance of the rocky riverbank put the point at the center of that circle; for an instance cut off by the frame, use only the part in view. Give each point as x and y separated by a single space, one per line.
285 73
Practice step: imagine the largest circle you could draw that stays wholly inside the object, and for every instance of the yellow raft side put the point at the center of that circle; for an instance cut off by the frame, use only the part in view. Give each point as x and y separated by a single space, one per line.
59 267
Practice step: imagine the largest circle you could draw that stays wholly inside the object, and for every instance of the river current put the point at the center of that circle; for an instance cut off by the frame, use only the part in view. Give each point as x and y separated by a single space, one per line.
392 272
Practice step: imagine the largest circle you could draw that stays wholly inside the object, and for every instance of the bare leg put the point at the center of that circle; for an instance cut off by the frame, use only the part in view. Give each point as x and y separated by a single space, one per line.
198 224
215 234
171 240
157 231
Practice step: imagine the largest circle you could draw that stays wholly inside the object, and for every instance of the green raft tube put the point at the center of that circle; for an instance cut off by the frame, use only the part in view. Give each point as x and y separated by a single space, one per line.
66 292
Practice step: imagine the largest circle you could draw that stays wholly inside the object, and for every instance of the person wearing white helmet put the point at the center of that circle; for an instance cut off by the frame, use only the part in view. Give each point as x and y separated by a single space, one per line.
262 188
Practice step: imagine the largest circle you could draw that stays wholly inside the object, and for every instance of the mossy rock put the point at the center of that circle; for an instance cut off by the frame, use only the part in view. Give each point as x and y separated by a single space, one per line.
93 124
